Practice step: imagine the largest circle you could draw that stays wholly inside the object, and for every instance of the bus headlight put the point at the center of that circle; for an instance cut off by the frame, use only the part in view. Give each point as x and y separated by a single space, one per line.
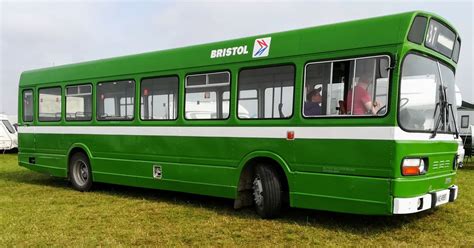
414 166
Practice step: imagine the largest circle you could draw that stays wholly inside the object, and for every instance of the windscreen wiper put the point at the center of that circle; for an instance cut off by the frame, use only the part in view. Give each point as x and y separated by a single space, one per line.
442 105
454 121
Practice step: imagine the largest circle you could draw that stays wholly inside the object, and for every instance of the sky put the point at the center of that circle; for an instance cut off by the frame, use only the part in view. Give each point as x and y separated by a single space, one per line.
38 34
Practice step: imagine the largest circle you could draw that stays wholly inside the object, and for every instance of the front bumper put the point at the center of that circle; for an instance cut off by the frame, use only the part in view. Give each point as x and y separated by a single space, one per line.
424 202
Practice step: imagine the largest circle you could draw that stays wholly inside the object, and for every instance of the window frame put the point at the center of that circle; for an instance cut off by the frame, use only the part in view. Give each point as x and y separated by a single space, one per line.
208 86
263 67
400 72
97 118
389 91
23 105
458 40
10 128
177 97
462 117
424 31
456 35
65 101
61 105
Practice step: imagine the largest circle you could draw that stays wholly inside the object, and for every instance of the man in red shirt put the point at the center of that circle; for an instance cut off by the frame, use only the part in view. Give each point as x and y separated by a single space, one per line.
363 103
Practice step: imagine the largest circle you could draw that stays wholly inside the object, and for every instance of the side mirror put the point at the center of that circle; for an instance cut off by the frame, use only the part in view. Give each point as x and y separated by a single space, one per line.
384 68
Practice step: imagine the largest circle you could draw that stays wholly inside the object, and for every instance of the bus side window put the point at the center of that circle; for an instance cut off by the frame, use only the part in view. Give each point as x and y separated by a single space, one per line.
28 106
317 90
159 98
346 87
79 103
205 96
49 104
266 93
116 100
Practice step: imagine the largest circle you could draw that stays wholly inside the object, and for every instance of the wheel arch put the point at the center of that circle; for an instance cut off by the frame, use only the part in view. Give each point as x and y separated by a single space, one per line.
243 196
75 148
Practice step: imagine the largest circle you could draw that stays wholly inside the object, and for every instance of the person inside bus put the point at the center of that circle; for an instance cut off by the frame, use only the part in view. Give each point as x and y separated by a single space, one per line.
363 103
312 106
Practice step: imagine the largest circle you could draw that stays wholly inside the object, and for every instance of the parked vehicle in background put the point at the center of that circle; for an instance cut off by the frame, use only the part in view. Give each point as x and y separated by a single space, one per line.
466 126
8 134
15 125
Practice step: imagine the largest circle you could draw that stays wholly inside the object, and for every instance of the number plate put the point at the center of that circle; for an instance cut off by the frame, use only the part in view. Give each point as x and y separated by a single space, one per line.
442 197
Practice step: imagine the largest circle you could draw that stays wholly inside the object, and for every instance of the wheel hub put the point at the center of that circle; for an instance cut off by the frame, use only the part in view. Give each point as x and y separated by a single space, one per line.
258 191
81 173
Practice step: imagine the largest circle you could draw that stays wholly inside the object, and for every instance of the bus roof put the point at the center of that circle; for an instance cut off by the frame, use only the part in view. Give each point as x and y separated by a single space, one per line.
372 32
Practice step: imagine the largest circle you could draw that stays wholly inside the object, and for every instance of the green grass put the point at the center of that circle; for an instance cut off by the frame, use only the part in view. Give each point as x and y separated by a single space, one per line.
38 210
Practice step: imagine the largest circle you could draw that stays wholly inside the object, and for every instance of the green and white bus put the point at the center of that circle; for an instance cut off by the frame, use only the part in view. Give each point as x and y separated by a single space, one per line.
355 117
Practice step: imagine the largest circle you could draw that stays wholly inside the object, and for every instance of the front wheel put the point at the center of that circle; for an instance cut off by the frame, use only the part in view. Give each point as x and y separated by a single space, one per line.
80 172
267 192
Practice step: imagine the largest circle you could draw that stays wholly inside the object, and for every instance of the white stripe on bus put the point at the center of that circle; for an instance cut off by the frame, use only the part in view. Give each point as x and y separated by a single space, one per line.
351 133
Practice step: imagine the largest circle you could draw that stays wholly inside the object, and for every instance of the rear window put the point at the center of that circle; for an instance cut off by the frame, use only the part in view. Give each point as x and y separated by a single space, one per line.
28 106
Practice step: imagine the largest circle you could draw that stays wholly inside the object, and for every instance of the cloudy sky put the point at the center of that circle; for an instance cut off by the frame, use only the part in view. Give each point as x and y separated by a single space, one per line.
36 34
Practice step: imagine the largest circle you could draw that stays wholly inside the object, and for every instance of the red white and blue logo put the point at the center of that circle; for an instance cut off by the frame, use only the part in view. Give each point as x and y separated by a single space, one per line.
261 47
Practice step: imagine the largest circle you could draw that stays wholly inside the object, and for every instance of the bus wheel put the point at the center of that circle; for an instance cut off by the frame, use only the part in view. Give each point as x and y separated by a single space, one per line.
80 172
267 193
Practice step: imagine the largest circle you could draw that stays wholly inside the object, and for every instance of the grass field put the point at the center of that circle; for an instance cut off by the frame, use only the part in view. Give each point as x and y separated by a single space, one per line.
38 210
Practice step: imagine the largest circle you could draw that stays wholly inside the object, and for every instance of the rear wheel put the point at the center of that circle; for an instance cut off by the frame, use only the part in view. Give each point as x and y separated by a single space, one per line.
267 192
80 172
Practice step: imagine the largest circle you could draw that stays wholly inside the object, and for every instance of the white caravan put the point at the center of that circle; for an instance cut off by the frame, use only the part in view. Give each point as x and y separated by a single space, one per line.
8 134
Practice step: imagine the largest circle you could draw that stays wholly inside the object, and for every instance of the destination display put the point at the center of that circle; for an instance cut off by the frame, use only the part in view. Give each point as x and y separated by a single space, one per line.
440 38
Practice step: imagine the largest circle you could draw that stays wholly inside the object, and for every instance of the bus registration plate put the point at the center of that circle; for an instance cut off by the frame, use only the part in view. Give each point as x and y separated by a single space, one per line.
442 197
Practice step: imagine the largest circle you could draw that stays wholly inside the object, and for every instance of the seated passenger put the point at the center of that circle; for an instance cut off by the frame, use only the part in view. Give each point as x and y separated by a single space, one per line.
312 106
362 100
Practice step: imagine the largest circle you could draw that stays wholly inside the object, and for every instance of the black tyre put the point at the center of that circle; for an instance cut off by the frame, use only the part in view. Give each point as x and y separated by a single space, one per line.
267 192
80 172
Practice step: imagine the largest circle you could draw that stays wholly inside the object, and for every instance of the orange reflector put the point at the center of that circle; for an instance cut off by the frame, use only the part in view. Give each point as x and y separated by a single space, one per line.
410 170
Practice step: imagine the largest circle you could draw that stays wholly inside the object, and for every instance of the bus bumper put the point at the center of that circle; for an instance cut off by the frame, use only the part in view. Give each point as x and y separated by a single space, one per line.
424 202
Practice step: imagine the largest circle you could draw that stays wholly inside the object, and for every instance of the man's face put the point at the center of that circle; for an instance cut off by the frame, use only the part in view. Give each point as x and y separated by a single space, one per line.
316 98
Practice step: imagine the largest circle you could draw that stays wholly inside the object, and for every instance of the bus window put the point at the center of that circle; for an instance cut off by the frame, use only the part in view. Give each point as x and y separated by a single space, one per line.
79 103
417 30
28 105
349 87
159 98
317 91
266 93
205 98
50 104
115 100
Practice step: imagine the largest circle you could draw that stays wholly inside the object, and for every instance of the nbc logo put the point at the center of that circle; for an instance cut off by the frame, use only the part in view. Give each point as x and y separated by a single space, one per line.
261 47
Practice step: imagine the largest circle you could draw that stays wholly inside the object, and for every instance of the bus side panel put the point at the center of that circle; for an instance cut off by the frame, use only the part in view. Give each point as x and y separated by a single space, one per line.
26 143
46 150
188 164
371 158
51 153
343 175
339 193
